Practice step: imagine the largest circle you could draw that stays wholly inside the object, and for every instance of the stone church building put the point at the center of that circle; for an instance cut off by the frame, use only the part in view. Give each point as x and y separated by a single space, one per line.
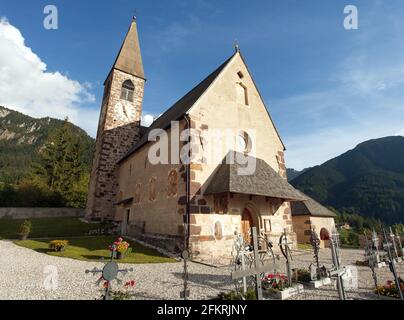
203 203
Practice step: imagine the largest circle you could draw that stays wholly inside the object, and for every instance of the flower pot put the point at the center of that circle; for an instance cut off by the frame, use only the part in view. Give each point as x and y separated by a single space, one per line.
120 255
285 293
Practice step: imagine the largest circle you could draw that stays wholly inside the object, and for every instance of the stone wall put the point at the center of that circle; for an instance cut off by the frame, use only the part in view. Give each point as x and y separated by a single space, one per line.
36 213
118 130
158 192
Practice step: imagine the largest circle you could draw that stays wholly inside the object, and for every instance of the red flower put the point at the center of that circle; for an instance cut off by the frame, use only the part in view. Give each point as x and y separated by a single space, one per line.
130 283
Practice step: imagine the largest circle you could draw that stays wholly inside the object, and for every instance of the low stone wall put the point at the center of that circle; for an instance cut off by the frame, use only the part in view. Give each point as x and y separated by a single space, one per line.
36 213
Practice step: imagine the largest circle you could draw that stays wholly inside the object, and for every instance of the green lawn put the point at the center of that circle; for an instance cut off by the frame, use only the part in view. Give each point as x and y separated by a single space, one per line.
48 228
96 248
304 246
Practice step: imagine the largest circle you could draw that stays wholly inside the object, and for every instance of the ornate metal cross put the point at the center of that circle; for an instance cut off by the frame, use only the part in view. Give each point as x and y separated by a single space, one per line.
109 273
393 241
392 264
337 272
315 243
258 268
287 253
400 245
186 292
372 257
375 243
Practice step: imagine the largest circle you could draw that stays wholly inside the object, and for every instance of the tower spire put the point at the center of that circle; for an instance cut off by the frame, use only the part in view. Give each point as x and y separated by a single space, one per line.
129 58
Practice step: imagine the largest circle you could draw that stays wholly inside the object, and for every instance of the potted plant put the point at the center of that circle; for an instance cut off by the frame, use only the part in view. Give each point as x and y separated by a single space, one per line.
121 248
275 282
25 229
277 286
58 245
389 290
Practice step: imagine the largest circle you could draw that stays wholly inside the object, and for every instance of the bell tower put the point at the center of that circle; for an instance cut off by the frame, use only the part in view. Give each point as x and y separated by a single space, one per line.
118 127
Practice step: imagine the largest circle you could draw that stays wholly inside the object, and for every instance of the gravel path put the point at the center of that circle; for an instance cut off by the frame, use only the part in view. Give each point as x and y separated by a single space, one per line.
23 275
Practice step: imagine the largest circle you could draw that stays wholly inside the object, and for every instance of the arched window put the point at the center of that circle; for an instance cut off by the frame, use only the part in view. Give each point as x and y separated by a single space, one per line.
127 90
242 94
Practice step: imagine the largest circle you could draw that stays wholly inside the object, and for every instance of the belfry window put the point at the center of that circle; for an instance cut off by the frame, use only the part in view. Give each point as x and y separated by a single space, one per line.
242 94
127 90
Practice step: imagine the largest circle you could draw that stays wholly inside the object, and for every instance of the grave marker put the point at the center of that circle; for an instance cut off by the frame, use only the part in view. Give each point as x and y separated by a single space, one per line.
337 272
257 269
109 273
392 264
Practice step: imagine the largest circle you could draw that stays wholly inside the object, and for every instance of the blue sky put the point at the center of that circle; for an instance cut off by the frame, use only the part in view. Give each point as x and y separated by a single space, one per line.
327 88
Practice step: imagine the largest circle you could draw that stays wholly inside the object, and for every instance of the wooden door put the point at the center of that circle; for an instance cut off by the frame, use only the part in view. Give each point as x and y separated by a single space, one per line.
247 223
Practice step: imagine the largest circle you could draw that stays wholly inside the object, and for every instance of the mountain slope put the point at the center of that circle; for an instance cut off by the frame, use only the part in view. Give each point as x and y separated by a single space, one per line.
368 180
21 138
293 174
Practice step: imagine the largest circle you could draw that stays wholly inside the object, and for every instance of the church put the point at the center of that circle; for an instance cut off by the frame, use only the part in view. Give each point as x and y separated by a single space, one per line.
199 203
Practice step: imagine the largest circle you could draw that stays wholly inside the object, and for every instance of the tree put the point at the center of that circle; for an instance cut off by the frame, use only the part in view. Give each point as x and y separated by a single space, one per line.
61 167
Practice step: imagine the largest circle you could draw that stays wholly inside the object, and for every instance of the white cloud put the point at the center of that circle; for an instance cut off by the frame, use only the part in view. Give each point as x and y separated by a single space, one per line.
147 120
27 86
400 133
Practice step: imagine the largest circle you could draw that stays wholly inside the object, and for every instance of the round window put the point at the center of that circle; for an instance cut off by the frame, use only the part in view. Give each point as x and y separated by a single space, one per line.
243 142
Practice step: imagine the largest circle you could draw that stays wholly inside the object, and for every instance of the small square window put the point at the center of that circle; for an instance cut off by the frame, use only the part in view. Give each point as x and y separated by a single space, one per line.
240 75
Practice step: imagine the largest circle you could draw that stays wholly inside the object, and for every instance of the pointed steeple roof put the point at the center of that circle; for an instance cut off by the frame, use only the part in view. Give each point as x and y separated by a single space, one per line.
129 58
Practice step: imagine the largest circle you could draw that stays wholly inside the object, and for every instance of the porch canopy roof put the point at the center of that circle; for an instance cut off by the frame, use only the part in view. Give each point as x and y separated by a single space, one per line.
263 182
310 207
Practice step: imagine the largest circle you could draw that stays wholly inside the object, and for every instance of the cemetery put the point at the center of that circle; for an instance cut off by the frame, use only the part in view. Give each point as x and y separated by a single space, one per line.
114 268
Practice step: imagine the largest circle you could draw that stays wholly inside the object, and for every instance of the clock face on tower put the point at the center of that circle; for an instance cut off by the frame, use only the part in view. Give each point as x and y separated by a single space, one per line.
122 112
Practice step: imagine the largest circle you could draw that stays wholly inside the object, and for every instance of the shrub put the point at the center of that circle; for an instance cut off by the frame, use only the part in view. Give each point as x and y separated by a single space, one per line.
58 245
250 295
25 228
303 275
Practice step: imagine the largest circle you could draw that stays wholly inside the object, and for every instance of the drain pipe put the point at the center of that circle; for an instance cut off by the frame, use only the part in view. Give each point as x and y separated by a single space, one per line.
188 185
185 254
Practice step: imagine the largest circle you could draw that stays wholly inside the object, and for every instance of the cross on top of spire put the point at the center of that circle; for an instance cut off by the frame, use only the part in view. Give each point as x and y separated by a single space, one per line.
236 46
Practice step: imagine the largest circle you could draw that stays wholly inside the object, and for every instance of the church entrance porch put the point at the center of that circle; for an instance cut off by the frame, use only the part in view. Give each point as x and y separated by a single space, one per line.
213 234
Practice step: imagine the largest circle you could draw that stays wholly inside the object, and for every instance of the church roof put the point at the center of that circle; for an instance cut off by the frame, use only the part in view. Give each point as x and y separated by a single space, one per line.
181 107
310 207
129 58
264 182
